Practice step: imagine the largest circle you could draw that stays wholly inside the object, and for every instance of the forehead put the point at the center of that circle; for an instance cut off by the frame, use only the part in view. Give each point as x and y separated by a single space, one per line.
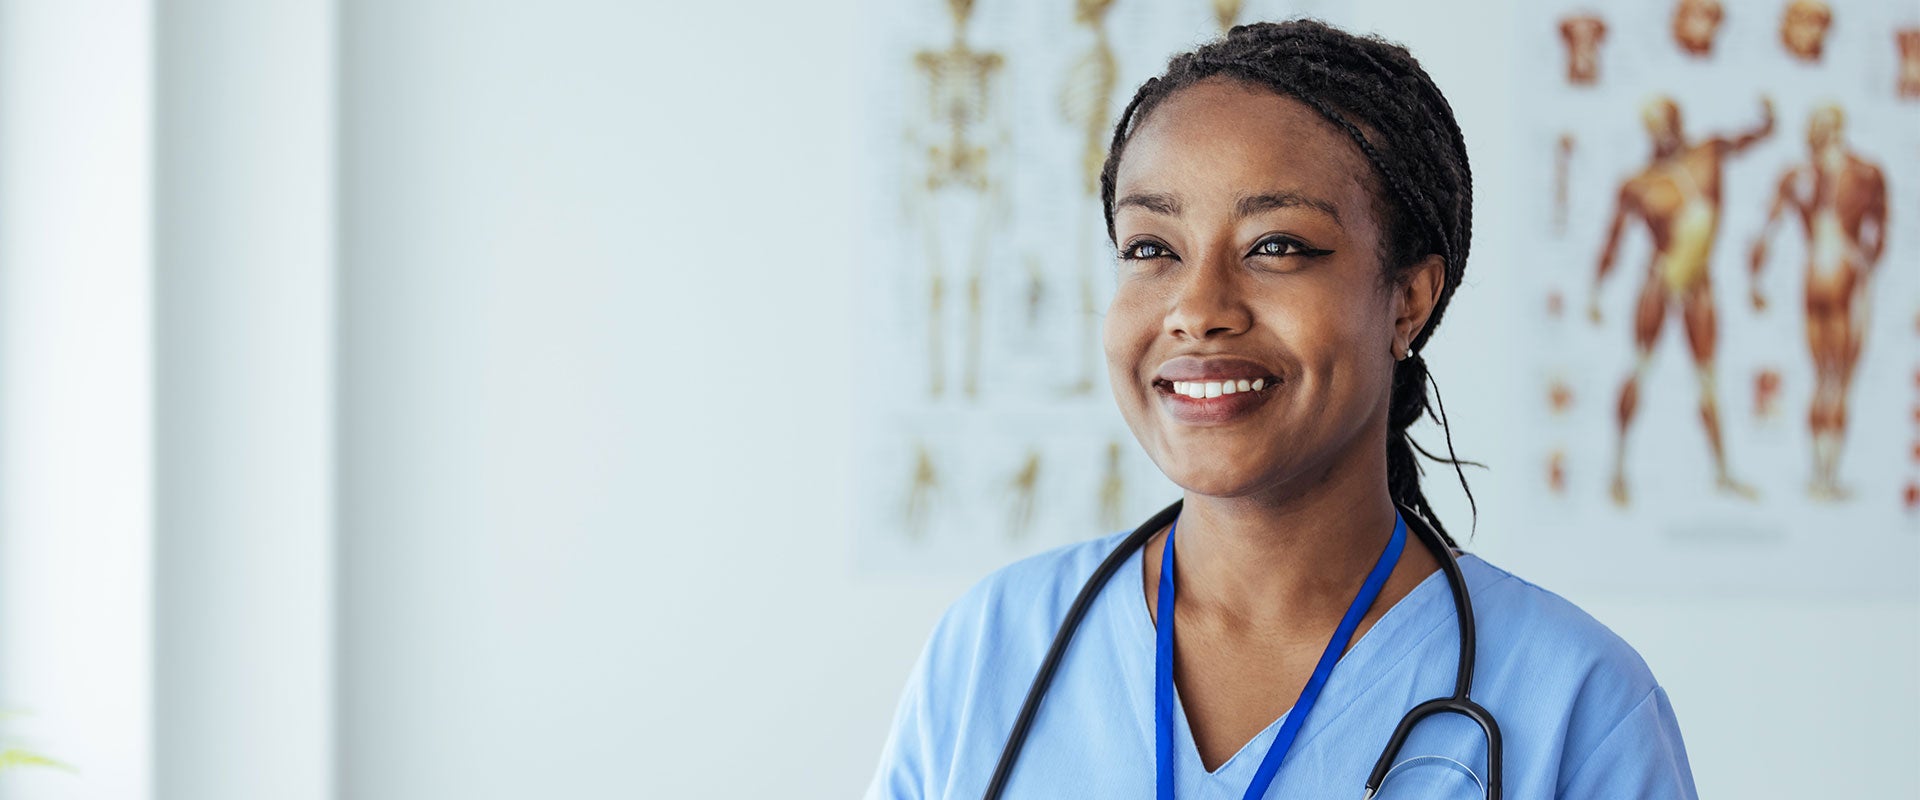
1223 138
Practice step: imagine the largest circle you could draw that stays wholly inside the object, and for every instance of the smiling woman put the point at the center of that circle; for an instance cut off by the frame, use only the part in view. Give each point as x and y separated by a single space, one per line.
1290 209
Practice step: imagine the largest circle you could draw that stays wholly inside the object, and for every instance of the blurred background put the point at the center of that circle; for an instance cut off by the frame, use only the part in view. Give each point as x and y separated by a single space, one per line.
477 399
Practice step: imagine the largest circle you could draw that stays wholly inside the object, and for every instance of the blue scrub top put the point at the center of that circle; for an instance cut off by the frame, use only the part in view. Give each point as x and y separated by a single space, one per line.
1580 714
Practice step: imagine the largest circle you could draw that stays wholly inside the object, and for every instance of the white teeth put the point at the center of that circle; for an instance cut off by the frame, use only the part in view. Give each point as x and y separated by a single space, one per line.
1205 389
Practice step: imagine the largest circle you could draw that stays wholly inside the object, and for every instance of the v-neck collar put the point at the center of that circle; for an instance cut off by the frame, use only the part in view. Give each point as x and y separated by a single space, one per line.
1363 664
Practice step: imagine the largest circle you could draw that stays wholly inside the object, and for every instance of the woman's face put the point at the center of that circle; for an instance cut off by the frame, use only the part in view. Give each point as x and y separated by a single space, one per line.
1249 257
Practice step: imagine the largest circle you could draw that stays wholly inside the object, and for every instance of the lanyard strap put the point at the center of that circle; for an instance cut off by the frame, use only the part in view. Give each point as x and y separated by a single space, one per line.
1282 741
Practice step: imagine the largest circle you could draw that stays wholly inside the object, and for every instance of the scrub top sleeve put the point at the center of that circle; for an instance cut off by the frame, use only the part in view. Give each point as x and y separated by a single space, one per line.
1642 757
917 760
902 773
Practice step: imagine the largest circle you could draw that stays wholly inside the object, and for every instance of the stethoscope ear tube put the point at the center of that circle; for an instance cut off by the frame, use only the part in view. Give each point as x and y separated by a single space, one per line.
1461 701
1035 693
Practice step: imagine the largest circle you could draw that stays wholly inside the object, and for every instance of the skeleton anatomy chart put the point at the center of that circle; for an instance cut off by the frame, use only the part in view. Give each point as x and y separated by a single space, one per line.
1720 230
985 271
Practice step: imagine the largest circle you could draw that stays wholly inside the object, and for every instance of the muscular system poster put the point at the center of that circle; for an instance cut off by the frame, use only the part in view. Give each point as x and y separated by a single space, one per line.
1720 247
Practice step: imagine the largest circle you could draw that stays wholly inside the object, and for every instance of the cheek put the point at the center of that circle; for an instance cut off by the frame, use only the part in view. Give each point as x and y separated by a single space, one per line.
1329 320
1126 331
1358 331
1338 338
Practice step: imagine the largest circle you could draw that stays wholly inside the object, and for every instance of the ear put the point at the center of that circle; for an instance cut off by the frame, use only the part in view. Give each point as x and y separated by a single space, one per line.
1414 299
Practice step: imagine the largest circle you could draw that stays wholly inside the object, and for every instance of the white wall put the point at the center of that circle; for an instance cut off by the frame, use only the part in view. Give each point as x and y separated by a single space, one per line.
567 569
75 379
594 348
165 397
243 335
598 351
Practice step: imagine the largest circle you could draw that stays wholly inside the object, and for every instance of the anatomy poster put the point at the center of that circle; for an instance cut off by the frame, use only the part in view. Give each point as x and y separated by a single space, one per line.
1719 243
988 431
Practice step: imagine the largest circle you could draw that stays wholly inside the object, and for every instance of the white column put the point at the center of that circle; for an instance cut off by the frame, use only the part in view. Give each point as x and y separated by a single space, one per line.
244 323
75 393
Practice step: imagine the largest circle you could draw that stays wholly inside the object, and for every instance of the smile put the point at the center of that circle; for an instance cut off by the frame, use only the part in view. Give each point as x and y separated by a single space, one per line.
1216 402
1205 389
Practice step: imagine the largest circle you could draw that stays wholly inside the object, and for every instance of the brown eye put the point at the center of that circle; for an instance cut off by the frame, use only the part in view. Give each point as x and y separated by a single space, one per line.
1278 247
1285 246
1144 250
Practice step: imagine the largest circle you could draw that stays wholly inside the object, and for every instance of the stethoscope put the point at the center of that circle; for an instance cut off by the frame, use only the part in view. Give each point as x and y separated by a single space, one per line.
1459 703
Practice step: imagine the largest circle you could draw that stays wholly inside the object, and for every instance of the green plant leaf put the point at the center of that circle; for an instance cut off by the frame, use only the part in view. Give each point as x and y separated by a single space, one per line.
14 758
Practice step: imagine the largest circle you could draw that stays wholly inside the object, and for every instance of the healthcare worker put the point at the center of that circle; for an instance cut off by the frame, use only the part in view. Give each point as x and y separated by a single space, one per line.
1290 209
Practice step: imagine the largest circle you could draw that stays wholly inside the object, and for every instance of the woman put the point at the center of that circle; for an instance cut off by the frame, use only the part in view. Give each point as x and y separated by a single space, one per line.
1291 208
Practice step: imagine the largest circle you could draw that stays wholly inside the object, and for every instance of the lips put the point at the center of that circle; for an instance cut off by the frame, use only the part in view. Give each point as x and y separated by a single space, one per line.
1213 368
1213 390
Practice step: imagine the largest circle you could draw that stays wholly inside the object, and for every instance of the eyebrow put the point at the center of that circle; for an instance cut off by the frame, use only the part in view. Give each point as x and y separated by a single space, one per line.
1248 205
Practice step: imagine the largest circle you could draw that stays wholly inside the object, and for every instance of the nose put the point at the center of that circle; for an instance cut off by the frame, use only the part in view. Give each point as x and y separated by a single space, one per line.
1209 302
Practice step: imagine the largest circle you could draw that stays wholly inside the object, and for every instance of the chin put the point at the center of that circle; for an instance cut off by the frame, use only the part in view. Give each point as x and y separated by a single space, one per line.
1214 475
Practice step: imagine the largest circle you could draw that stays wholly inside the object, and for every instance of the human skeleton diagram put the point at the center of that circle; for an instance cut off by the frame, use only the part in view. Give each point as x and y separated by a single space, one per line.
1695 24
960 195
1841 201
1022 489
1803 28
1227 12
1677 196
1086 100
1582 34
920 495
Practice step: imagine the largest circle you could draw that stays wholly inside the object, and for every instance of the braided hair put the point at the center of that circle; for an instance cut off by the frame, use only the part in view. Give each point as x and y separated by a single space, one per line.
1424 187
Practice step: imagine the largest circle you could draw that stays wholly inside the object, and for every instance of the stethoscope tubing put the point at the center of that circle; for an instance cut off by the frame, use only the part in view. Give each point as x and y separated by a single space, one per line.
1058 650
1459 702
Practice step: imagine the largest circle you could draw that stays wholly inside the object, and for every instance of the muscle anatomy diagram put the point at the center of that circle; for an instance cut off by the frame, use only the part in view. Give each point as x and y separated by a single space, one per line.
1840 201
1676 197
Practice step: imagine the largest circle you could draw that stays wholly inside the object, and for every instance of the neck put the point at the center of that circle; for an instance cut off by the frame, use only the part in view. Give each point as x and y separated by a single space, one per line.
1830 158
1283 563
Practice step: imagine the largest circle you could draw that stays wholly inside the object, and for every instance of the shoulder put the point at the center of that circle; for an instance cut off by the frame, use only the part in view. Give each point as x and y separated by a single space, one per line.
1867 170
1628 194
964 687
1060 570
1019 606
1524 625
1535 610
1546 663
1797 182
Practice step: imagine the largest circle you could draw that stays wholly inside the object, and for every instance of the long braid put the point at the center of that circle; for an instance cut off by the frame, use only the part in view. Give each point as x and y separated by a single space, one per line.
1376 93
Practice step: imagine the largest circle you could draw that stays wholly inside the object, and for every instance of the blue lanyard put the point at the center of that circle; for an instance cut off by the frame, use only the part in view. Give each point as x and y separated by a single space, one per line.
1283 741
